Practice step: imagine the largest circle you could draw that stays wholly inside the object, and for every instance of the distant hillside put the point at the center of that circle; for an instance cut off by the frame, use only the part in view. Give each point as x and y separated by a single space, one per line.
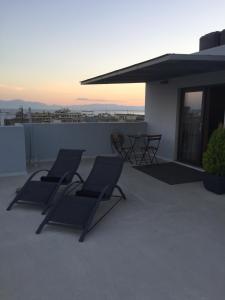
15 104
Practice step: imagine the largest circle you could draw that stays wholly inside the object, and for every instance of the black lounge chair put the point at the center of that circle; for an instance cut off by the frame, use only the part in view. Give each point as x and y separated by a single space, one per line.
42 191
77 208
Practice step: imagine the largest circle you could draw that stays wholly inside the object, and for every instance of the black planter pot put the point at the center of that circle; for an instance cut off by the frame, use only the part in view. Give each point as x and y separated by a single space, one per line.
214 183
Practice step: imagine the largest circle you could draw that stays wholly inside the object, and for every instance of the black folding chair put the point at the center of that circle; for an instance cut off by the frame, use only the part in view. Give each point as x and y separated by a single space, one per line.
151 147
43 191
118 144
77 208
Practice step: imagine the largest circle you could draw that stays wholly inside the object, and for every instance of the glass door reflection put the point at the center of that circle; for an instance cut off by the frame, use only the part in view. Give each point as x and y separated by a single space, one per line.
190 138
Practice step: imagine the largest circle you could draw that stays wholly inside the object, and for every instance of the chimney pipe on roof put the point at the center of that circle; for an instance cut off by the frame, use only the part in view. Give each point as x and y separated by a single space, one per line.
222 37
209 40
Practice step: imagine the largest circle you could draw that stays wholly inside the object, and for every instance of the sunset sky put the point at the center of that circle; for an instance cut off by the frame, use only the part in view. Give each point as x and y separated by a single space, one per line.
49 46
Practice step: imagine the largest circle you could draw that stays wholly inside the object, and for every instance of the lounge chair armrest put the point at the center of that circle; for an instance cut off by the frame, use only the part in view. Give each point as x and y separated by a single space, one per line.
66 191
63 177
79 176
72 187
35 173
120 191
30 178
104 190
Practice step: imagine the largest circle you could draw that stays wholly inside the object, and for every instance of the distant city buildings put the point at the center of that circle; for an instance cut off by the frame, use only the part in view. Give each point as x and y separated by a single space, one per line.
66 116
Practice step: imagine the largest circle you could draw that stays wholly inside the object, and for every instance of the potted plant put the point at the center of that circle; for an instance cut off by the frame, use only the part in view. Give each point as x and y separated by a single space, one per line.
214 162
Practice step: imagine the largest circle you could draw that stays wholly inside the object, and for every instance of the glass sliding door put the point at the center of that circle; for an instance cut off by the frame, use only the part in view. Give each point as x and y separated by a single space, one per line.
191 126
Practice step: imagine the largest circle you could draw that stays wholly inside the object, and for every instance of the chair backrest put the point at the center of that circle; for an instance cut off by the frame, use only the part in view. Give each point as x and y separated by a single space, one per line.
117 141
155 137
67 160
105 171
155 140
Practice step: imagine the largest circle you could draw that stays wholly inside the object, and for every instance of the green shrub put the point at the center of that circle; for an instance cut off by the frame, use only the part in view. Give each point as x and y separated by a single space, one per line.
214 157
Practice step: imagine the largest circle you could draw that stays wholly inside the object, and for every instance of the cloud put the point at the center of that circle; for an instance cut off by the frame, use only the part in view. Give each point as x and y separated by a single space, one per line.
11 87
83 99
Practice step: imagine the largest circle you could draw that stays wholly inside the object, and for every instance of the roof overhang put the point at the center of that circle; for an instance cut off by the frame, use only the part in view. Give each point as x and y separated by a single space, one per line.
163 68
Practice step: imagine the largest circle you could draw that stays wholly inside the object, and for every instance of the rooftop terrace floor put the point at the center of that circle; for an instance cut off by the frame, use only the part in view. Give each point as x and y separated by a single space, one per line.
163 243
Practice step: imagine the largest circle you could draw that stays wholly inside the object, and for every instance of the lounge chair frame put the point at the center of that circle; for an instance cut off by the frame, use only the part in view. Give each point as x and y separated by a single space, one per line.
88 225
55 185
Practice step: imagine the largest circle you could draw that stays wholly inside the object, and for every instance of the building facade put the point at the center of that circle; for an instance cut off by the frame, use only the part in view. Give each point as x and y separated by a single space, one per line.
184 99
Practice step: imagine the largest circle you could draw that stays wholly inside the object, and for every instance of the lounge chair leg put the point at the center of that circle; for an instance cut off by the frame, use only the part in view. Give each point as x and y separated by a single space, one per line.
89 227
40 227
38 231
45 221
82 236
11 204
88 224
121 192
46 209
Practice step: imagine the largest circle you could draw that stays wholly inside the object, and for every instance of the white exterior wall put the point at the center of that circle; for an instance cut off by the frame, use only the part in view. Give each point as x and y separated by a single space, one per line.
162 104
160 114
41 142
44 140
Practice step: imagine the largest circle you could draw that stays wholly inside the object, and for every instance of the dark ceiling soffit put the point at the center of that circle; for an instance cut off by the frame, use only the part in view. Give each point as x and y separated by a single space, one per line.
162 68
127 69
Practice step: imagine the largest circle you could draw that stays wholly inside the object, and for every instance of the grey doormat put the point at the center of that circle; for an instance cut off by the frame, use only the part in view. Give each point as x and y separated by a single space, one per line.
172 173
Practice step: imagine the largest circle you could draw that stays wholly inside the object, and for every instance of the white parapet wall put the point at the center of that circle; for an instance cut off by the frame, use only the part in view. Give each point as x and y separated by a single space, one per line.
12 150
44 140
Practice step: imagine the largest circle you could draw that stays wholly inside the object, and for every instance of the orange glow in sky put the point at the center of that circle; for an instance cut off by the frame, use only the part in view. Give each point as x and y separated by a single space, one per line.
68 94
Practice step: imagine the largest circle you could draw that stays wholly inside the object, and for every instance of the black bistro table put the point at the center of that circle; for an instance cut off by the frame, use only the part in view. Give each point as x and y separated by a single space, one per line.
143 148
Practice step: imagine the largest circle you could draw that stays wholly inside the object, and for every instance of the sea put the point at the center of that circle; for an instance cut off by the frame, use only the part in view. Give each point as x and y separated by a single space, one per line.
113 112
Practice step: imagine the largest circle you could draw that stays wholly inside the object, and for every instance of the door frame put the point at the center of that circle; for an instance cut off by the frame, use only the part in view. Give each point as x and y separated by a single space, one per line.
205 107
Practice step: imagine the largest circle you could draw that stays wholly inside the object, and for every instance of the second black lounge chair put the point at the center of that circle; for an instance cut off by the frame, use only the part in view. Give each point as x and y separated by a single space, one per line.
77 208
42 191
